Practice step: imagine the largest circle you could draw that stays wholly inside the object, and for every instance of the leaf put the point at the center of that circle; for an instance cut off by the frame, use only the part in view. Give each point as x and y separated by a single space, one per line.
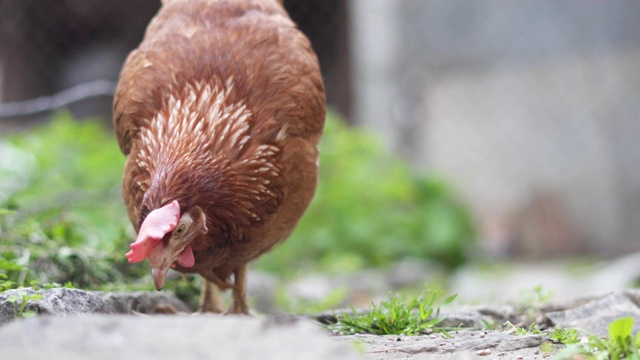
621 328
450 299
8 265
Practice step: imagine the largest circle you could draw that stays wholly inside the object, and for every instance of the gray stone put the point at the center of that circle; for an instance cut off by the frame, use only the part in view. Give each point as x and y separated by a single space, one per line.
633 295
463 316
460 342
64 302
142 301
500 313
596 315
59 301
476 316
101 330
168 337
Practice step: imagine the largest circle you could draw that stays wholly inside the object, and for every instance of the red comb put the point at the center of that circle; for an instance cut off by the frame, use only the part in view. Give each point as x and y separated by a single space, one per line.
155 226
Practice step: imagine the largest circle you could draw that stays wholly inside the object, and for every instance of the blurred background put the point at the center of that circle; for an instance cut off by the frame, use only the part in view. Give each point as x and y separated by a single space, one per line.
476 131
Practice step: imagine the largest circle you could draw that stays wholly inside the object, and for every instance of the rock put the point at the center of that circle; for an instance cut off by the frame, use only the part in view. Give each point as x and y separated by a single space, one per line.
465 316
460 343
596 315
280 337
60 301
64 302
500 313
169 337
476 316
633 295
141 301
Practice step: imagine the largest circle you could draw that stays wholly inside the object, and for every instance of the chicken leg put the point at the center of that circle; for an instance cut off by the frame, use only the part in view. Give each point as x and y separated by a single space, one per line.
210 299
239 291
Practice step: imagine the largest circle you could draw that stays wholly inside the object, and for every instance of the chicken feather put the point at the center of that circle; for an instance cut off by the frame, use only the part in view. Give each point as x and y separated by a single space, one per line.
220 108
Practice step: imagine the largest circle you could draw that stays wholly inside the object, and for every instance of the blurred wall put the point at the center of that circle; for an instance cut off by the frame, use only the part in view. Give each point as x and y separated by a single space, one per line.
529 107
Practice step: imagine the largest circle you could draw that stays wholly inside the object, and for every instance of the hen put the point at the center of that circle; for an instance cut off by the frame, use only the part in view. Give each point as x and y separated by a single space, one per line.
219 112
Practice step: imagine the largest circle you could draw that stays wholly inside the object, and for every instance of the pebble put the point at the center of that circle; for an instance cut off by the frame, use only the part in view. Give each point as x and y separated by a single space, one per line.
483 352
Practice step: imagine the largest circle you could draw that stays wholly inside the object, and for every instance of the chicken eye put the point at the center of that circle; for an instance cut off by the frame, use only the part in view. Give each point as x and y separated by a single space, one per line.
180 229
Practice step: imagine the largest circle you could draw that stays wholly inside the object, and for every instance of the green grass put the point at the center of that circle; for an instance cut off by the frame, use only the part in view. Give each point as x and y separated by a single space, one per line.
621 344
397 315
580 344
63 218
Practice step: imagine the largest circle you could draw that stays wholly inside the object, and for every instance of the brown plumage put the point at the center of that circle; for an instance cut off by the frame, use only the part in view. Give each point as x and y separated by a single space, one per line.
219 112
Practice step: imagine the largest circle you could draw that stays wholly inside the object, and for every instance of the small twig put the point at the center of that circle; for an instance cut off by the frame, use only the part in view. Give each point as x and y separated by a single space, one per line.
58 100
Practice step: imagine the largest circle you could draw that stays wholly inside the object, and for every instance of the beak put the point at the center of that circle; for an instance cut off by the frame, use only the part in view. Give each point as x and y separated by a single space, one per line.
162 257
159 276
160 262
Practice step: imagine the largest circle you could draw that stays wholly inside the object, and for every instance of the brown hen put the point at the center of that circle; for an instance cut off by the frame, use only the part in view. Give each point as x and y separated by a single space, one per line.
219 112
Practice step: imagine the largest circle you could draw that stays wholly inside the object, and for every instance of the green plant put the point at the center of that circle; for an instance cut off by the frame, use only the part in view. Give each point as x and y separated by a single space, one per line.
565 336
621 344
20 300
62 216
531 301
7 283
20 297
396 315
521 330
536 296
493 325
